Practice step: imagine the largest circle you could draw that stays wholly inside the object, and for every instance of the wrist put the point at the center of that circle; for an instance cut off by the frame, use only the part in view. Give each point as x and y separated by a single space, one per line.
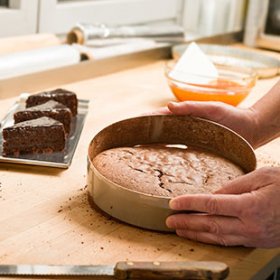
254 119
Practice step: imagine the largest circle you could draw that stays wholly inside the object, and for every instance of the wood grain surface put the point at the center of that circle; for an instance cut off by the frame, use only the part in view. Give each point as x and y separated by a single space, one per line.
44 213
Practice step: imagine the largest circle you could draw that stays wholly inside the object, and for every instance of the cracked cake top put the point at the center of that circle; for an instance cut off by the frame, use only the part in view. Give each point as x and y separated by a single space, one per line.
167 171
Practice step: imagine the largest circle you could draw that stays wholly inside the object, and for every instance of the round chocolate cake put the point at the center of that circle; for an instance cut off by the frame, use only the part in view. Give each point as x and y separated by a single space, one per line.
168 171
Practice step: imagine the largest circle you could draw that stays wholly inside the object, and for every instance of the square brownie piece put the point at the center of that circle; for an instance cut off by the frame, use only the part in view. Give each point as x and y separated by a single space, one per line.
51 109
42 135
66 97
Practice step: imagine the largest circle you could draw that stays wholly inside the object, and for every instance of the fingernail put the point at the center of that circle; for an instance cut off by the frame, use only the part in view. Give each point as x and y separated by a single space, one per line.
169 222
173 204
173 104
219 191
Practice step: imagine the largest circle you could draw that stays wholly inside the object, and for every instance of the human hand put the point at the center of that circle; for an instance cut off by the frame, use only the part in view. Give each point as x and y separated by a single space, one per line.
243 121
244 212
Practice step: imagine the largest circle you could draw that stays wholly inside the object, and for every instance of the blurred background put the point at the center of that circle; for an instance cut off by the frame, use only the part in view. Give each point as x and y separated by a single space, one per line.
198 18
45 34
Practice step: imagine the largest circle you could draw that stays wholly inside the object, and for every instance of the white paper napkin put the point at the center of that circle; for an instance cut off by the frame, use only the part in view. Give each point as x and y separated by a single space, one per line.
194 67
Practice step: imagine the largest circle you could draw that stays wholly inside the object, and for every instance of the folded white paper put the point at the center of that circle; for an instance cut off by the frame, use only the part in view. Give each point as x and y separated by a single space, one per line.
194 67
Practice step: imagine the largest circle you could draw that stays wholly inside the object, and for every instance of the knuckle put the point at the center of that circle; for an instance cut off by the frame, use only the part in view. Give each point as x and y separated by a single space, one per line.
252 212
221 240
180 233
216 108
178 221
195 236
213 226
192 235
266 173
262 233
212 205
217 105
183 224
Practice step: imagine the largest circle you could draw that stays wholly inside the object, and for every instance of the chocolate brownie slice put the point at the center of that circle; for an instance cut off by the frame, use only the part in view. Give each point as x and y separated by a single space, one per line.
51 109
42 135
66 97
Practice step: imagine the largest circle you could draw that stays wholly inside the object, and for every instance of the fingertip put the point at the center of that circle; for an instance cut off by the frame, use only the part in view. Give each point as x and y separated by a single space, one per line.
159 111
181 233
171 105
168 222
182 108
220 191
173 204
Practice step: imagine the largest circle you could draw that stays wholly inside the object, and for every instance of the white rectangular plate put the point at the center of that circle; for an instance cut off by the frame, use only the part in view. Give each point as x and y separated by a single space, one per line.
61 159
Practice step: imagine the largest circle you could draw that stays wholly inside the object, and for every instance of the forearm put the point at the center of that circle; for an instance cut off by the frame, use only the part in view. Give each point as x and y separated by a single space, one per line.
267 116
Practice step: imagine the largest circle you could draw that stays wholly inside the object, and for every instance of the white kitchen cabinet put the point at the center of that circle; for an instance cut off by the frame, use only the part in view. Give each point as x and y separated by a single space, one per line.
18 17
59 16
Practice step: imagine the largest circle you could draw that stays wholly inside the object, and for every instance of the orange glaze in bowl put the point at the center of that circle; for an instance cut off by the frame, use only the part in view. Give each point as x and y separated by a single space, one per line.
232 86
225 93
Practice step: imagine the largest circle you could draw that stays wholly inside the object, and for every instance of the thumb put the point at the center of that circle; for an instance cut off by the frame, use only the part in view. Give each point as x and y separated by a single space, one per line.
159 111
214 111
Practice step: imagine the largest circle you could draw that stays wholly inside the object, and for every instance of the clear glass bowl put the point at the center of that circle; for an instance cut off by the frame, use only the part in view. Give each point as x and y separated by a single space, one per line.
232 85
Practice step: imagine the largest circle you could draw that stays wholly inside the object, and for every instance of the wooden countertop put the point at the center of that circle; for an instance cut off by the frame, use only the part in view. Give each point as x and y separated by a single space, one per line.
44 213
